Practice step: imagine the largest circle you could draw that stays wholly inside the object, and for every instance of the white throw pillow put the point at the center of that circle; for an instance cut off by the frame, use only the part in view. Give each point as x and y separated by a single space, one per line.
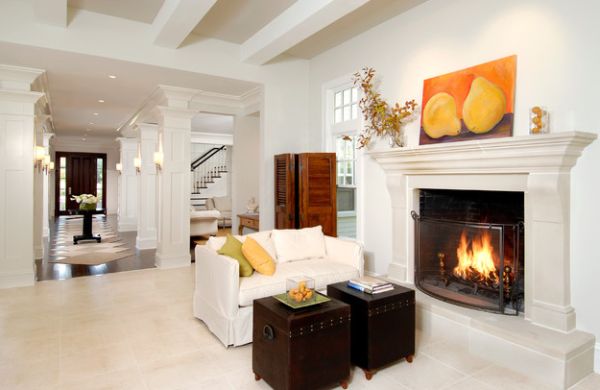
215 243
292 245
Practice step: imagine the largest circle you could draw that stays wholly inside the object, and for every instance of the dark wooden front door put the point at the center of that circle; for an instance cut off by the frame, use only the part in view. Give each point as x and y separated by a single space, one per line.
78 173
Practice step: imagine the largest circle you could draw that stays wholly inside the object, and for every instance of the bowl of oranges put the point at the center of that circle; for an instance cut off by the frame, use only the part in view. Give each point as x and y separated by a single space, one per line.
300 289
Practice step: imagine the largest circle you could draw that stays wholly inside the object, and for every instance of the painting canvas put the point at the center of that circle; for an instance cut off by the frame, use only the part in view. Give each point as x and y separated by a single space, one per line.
472 103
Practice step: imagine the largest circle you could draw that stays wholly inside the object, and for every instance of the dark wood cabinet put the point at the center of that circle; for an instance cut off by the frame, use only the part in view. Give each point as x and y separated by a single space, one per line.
305 191
301 349
382 327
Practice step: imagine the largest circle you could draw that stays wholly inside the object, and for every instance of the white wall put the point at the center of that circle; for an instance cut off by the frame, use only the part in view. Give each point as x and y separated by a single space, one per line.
90 145
246 165
557 66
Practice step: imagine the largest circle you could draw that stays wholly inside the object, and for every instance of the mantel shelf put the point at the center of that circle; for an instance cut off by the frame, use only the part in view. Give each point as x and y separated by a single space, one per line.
531 153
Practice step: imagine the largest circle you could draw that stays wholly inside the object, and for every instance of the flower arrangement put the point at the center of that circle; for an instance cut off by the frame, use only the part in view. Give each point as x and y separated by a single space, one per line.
87 202
381 119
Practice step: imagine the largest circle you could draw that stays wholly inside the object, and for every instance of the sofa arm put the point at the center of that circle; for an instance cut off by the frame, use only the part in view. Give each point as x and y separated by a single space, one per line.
345 252
218 281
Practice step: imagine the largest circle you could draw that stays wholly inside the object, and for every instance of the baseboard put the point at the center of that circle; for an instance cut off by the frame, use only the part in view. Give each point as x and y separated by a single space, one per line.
597 358
145 243
22 279
166 262
127 227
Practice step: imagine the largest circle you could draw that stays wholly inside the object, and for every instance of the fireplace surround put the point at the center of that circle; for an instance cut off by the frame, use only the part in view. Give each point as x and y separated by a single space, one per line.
543 339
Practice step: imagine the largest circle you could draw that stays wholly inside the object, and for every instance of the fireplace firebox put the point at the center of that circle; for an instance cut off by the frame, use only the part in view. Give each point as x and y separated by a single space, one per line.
469 248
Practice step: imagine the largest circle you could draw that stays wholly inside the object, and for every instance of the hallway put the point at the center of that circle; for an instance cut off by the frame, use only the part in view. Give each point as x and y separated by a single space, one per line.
60 246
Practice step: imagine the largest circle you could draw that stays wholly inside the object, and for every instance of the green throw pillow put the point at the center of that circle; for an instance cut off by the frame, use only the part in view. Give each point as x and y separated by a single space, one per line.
233 249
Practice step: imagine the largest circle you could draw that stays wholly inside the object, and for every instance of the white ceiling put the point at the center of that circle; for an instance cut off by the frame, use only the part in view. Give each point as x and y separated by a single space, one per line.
237 20
138 10
77 82
212 123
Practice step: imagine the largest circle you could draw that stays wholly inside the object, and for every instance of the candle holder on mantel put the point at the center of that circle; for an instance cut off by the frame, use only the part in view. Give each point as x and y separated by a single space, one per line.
538 120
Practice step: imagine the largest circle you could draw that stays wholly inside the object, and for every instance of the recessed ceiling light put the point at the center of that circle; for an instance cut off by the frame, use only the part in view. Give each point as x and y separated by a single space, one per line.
96 114
91 123
83 139
100 100
112 76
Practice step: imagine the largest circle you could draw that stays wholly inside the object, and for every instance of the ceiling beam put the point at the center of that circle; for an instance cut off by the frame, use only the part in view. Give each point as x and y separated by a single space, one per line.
176 20
53 12
301 20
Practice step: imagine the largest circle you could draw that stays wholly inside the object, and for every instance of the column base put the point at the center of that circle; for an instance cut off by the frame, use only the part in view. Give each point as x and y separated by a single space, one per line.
169 261
17 279
145 243
127 227
554 317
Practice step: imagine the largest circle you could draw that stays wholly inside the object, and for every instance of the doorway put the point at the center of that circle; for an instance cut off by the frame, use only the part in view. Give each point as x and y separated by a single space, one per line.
79 173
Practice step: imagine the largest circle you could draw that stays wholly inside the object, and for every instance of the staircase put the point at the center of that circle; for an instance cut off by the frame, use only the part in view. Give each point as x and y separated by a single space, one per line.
208 171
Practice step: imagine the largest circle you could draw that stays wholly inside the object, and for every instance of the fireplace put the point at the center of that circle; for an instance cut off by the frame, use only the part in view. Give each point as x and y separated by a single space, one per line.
543 342
469 248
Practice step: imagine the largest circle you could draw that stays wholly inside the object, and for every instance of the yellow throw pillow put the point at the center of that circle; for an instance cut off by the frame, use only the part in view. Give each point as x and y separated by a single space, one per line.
258 258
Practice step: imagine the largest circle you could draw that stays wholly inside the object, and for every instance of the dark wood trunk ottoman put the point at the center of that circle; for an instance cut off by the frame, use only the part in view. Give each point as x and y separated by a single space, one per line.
383 325
301 349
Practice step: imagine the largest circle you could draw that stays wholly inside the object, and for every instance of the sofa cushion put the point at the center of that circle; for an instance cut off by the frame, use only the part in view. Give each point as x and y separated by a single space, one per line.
323 271
258 258
233 249
263 238
292 245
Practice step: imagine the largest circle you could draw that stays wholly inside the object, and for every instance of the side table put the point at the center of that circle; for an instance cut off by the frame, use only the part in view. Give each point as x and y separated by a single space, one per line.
251 221
87 229
306 348
383 325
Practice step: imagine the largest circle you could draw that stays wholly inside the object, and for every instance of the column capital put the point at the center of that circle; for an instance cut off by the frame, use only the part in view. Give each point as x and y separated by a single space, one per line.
124 141
18 78
176 97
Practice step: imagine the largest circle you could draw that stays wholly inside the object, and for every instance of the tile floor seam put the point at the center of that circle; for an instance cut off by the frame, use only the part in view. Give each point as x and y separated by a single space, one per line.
445 364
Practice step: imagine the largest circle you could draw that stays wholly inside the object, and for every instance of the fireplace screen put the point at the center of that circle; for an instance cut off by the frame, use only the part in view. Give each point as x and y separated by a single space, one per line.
475 264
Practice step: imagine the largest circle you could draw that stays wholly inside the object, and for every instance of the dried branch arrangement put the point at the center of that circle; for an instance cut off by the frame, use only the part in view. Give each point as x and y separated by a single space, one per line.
381 120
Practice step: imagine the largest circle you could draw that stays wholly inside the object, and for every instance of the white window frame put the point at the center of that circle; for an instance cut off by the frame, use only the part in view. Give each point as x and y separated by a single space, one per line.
331 130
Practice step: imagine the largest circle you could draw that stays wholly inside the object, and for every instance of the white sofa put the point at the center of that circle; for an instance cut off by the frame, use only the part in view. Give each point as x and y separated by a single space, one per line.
204 222
223 299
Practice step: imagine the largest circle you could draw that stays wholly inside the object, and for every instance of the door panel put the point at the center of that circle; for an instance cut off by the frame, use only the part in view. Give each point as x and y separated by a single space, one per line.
317 191
81 178
285 191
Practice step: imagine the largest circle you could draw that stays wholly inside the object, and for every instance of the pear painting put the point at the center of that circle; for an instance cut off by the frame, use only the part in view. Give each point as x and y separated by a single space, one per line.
472 103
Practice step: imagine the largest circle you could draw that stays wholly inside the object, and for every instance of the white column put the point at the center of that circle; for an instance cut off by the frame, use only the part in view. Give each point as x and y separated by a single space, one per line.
38 195
17 111
128 186
45 193
147 206
173 247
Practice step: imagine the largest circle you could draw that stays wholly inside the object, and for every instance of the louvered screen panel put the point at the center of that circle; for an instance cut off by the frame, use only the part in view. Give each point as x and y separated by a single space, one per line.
285 191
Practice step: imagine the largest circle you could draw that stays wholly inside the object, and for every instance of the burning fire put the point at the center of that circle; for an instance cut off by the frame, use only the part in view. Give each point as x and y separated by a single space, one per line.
476 259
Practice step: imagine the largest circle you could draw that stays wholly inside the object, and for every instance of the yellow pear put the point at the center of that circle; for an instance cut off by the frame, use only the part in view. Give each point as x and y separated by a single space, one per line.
484 106
439 116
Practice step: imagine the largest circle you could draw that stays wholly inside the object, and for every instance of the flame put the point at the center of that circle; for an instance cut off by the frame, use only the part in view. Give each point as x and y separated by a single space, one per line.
476 261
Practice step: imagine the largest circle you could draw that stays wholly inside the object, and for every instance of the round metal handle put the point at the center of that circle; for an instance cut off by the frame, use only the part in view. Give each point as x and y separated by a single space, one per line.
268 332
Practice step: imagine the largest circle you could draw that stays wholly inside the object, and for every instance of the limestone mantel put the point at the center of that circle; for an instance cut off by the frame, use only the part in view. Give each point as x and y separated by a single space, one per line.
537 165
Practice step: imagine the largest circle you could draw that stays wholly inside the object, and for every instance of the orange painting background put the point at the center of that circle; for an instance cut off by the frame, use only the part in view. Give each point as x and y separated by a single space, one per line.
500 72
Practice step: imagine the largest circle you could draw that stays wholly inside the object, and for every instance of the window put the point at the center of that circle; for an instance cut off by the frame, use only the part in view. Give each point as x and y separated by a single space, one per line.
99 181
62 186
345 105
343 126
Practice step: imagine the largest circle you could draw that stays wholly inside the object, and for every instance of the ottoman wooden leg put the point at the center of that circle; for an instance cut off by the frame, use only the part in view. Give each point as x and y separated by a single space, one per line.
344 384
257 377
409 358
369 374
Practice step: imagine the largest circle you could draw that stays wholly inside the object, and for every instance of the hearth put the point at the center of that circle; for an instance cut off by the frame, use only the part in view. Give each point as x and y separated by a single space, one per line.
469 248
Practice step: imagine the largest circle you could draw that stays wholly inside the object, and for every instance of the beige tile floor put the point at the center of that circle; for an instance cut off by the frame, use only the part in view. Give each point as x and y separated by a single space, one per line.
135 330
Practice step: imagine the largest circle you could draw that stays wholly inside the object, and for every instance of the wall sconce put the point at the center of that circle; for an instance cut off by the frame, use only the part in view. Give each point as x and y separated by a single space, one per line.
46 163
137 163
51 166
158 160
39 154
119 167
